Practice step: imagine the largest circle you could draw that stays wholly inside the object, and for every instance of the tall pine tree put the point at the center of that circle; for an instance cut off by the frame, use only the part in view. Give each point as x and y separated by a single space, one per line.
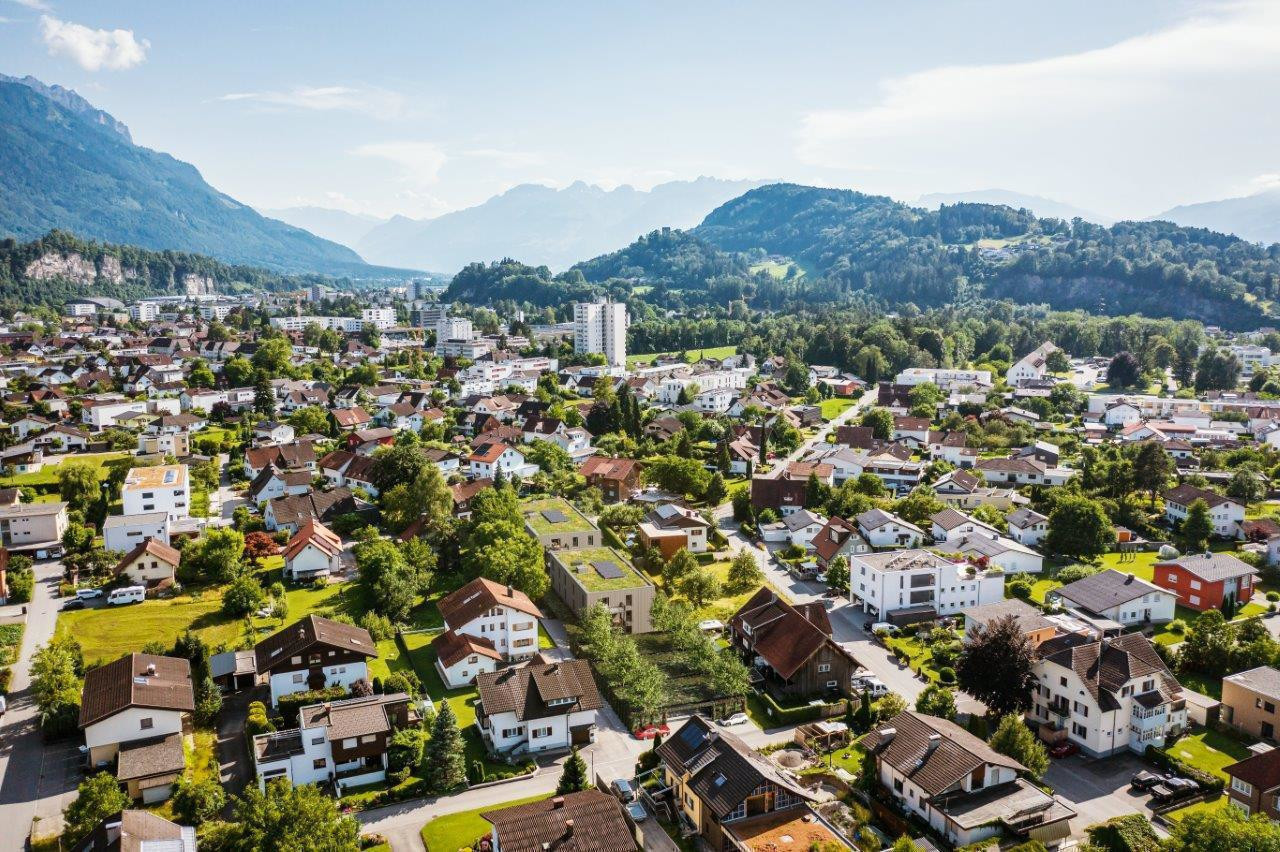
573 779
444 759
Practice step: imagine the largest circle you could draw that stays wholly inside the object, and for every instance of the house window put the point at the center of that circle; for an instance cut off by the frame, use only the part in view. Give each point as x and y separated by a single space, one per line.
299 677
318 740
832 684
319 763
350 742
824 667
1241 786
1195 584
146 724
1194 600
539 733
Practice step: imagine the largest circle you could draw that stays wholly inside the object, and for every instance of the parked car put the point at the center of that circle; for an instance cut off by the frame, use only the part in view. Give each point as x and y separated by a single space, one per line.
735 719
870 684
1145 780
88 594
1172 789
73 603
637 812
1066 748
621 788
648 732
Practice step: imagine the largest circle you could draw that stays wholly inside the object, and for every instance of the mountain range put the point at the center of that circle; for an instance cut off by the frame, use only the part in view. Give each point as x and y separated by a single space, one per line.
65 164
1252 217
1045 208
540 225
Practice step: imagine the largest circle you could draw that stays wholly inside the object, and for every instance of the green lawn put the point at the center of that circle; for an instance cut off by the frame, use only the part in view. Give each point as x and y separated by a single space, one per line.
1137 564
1199 807
693 355
1203 684
921 658
1041 588
1209 751
10 642
452 832
48 475
832 408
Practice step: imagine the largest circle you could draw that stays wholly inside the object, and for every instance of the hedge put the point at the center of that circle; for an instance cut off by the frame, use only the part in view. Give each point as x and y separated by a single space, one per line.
799 715
1169 763
1129 833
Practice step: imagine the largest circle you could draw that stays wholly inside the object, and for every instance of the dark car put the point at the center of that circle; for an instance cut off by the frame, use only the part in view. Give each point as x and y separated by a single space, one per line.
73 603
1064 749
1172 789
621 788
1145 780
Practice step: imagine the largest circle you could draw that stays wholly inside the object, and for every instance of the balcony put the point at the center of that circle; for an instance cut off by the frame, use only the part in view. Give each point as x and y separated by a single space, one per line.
1061 710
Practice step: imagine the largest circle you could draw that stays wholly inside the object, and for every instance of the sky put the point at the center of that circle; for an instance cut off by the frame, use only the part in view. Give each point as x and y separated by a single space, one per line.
382 108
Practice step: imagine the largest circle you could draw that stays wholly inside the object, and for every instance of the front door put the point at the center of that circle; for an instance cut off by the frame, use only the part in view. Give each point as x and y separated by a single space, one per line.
1268 731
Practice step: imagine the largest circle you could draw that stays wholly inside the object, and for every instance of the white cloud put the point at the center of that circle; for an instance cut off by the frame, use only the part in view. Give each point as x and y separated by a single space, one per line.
420 162
380 103
93 50
1155 118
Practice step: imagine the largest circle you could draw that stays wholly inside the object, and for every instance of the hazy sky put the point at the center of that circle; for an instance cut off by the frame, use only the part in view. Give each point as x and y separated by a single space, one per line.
1124 108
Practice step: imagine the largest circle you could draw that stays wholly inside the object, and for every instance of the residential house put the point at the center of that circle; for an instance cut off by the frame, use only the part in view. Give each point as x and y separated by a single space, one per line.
1031 367
136 831
1031 621
791 646
557 524
1027 526
503 616
164 488
123 533
294 456
135 711
342 742
1120 598
1249 701
884 529
952 524
616 478
1206 580
585 821
150 563
960 786
998 551
838 538
314 551
1106 695
717 781
538 707
491 459
313 653
671 527
1226 513
1255 784
290 513
273 482
34 527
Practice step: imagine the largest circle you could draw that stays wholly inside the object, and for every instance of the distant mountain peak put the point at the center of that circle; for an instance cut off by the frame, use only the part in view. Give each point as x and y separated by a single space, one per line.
72 100
1251 217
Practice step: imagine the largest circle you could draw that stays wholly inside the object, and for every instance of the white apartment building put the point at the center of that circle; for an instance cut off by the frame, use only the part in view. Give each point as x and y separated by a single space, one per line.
1106 695
1032 366
165 488
144 311
216 311
601 327
454 328
349 325
379 318
1226 513
885 584
500 615
713 380
125 532
947 380
1252 358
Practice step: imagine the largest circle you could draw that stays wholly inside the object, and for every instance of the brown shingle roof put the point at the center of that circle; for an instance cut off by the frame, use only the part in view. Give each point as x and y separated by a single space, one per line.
526 690
1106 666
129 682
781 634
450 647
1186 494
932 752
354 717
1261 770
480 595
127 831
298 638
153 756
158 549
587 821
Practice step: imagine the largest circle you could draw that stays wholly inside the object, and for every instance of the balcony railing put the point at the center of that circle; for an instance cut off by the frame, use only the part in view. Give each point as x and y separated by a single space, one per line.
1059 710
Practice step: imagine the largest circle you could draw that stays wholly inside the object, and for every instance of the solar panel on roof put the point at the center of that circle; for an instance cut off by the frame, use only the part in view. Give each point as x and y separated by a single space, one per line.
692 736
554 516
608 570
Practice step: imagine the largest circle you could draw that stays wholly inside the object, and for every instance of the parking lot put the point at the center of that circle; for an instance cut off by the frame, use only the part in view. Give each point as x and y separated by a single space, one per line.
1098 790
60 774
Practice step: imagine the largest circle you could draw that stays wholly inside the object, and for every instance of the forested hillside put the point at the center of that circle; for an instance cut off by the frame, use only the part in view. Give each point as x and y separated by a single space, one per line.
60 266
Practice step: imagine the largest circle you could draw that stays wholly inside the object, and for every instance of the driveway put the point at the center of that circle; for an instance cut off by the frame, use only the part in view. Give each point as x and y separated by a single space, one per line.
38 781
1098 790
234 762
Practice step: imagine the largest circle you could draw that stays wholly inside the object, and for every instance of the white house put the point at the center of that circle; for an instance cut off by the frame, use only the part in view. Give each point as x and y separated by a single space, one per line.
134 711
909 583
460 658
538 707
341 741
1107 695
951 524
149 563
502 615
488 459
999 551
1122 598
164 488
314 653
313 551
1226 514
957 784
123 533
802 527
1027 526
884 529
1032 366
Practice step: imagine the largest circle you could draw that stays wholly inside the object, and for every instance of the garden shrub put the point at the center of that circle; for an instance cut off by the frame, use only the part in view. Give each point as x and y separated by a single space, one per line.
947 675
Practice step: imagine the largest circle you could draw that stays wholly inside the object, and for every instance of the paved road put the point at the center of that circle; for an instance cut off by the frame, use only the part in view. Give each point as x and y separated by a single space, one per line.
819 438
38 781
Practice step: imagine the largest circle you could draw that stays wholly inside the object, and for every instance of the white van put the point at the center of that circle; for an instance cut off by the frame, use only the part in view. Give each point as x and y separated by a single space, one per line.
127 595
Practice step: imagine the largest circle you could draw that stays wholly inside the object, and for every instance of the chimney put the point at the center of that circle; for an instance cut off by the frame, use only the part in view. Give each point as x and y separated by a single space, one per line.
934 741
557 803
511 591
1129 578
887 734
151 668
568 828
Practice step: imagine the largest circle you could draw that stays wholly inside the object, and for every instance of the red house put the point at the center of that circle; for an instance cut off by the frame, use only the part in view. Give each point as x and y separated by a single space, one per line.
1203 581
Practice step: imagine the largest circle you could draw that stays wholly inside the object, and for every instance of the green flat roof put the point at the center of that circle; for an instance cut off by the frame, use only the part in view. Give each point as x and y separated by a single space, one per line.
541 516
591 560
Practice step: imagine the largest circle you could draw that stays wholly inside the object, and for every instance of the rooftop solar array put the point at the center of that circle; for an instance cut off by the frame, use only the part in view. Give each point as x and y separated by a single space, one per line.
608 570
554 516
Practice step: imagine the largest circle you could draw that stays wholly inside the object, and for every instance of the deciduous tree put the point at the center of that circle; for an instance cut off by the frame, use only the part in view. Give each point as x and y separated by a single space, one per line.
997 667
